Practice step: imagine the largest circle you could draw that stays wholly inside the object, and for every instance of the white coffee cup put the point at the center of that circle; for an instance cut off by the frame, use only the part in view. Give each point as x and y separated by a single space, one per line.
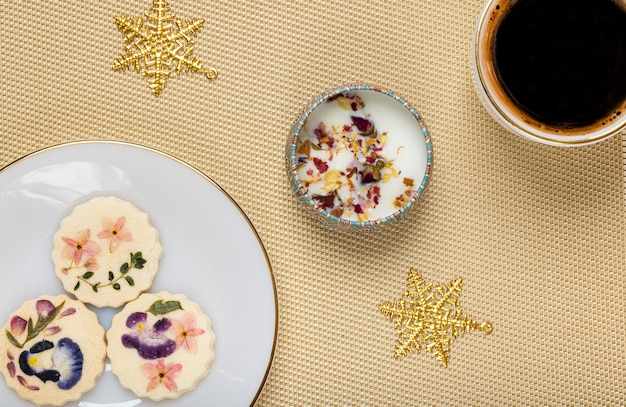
506 111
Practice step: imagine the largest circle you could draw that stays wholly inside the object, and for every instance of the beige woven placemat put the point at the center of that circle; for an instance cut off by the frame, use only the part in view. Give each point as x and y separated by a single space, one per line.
536 232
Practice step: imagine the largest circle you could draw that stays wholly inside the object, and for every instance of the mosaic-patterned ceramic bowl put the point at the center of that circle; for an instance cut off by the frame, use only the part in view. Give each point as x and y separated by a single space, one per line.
359 157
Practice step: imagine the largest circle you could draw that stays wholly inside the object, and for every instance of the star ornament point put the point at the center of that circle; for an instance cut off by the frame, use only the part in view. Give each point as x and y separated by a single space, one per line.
429 317
160 45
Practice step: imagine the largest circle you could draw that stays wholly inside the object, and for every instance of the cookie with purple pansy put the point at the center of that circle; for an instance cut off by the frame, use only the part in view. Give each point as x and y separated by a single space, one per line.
55 350
161 345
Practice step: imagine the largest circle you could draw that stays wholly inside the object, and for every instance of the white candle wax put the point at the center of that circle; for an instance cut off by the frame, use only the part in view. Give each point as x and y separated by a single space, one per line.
362 155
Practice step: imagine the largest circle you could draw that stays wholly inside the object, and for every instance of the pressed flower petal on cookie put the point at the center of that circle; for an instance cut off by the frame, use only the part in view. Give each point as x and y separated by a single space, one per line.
185 330
150 342
115 232
18 325
75 248
44 308
66 366
161 373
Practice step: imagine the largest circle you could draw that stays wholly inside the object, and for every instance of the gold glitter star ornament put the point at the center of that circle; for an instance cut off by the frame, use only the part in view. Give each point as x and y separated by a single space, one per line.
160 45
429 316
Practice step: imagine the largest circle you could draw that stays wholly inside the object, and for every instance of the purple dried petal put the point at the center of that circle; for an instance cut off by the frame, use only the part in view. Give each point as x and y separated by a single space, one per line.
320 131
364 125
162 350
22 381
320 164
136 318
67 312
150 348
52 330
11 369
162 325
69 359
44 308
18 325
369 175
40 346
131 341
325 201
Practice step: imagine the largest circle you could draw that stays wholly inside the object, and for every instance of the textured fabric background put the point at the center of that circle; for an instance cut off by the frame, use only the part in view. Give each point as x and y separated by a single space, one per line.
536 232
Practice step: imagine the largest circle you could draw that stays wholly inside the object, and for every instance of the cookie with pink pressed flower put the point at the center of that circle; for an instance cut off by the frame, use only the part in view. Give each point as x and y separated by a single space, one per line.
106 252
53 350
161 345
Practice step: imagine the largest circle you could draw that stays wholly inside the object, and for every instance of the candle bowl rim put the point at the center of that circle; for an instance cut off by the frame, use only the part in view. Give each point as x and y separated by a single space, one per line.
301 192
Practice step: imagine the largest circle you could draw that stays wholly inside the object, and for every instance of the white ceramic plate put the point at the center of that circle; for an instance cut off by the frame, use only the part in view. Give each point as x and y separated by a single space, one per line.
211 253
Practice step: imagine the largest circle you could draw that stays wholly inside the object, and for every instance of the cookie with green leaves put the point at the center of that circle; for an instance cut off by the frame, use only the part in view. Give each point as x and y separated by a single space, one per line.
161 345
106 252
55 350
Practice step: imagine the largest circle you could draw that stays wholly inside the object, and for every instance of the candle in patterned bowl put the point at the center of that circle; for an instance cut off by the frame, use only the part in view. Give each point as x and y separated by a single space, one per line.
359 157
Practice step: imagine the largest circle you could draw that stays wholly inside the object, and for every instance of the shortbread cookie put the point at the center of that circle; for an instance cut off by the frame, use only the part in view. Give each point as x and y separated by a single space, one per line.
161 345
106 252
53 350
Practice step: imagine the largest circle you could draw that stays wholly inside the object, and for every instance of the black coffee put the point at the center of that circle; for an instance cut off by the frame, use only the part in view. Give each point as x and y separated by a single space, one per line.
564 61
